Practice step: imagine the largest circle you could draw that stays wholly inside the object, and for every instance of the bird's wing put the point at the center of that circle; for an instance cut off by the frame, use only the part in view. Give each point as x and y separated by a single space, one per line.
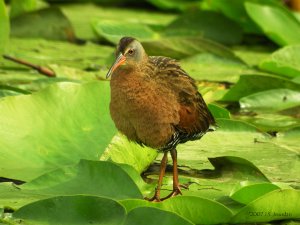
194 115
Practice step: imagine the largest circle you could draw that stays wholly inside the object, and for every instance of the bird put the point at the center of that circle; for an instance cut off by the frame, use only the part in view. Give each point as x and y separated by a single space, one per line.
155 103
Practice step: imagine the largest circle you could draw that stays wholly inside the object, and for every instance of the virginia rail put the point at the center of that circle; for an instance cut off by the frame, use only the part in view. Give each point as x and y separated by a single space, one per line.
154 102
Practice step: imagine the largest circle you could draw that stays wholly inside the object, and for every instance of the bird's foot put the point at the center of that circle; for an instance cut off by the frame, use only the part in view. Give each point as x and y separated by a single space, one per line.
153 199
176 191
156 196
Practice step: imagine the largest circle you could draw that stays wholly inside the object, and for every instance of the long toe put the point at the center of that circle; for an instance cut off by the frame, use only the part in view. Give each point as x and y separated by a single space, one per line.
176 191
153 199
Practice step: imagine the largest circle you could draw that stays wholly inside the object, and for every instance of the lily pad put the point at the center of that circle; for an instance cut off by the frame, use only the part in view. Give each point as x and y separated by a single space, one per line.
270 122
252 83
279 24
58 26
247 193
80 209
237 12
84 14
195 209
150 216
45 52
113 31
271 100
207 66
121 150
71 122
283 61
218 111
96 178
207 24
275 205
180 47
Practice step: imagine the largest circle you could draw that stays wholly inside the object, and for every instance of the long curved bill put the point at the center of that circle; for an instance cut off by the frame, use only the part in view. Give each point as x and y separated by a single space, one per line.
119 61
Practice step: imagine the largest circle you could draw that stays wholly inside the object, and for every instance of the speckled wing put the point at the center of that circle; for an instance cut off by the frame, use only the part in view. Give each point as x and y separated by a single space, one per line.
195 118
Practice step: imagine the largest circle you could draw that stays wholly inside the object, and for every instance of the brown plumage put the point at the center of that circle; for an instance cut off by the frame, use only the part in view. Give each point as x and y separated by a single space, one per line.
155 103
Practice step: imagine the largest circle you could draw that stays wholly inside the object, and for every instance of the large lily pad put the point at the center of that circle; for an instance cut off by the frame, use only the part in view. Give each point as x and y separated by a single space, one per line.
54 127
279 24
80 209
96 178
197 210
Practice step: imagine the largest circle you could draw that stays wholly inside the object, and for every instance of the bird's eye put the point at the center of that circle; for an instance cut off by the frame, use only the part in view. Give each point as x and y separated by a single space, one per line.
130 52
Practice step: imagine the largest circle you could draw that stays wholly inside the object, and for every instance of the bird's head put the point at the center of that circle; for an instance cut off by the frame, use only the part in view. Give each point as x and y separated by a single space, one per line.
129 52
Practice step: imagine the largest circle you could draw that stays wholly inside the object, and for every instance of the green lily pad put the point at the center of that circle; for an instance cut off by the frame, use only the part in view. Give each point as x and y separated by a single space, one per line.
121 150
207 24
208 66
276 162
284 61
279 24
250 84
113 31
59 27
180 47
289 139
195 209
20 8
198 210
180 5
237 12
275 205
82 15
247 193
271 121
253 55
80 209
150 216
57 126
218 111
271 100
45 52
95 178
11 197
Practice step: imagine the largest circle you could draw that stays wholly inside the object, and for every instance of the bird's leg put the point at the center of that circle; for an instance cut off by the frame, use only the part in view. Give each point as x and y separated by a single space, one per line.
176 186
163 166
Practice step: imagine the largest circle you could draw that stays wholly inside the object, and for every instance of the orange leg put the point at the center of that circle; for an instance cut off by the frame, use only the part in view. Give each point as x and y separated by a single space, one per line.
176 186
163 166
